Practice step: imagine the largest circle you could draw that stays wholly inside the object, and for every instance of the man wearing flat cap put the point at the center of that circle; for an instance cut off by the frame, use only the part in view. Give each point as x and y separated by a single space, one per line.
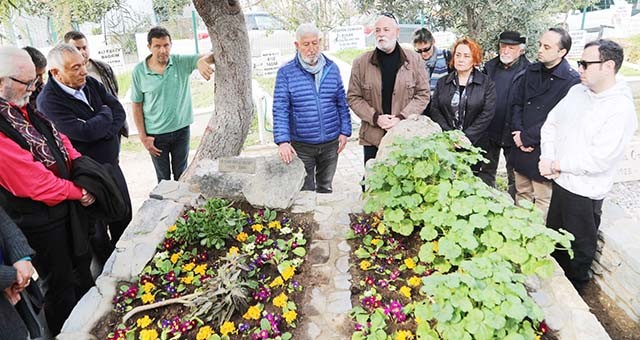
503 70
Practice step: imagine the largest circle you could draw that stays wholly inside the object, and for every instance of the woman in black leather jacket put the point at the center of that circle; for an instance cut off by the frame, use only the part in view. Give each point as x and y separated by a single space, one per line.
466 98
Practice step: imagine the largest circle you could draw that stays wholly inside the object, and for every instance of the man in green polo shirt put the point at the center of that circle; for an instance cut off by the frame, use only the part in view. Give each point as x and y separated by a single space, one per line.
161 98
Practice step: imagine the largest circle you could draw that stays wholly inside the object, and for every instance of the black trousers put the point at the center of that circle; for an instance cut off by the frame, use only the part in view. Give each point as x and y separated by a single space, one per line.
11 325
102 244
320 162
487 171
369 152
580 216
67 278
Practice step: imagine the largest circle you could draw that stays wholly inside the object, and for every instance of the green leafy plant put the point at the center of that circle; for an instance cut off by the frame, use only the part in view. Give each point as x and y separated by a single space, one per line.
210 225
480 246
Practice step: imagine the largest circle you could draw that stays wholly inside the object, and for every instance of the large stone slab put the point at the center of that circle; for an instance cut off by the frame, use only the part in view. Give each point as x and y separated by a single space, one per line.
176 191
414 126
262 181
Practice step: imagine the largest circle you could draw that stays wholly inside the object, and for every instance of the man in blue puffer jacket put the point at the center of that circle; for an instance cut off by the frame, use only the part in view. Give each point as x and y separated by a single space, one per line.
310 113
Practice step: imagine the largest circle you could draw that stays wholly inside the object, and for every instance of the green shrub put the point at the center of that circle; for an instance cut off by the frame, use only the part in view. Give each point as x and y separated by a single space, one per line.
211 224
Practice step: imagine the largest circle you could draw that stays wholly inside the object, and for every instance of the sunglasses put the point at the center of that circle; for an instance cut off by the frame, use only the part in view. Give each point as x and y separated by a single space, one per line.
424 50
28 84
584 64
389 15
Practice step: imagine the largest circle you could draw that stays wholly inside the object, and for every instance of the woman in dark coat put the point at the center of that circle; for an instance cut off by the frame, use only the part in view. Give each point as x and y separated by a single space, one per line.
466 98
15 273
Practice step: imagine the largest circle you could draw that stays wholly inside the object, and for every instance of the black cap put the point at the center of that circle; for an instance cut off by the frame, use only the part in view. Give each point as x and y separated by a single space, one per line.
512 38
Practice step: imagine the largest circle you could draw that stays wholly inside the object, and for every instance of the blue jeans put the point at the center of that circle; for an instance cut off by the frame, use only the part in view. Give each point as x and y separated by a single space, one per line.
174 147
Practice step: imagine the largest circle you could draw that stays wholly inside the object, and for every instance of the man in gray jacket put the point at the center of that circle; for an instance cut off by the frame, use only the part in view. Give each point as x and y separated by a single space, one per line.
15 275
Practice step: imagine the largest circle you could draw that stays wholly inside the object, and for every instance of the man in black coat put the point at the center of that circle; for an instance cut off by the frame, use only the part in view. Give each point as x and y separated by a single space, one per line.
503 70
541 87
81 108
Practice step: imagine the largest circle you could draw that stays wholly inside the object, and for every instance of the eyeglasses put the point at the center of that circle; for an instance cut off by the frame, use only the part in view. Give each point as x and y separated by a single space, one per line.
584 64
28 84
424 50
389 15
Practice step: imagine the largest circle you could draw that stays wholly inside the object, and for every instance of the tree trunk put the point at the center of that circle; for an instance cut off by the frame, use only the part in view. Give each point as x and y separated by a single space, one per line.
230 122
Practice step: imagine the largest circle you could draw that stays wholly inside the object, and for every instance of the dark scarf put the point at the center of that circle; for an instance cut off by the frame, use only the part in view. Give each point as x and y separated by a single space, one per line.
459 101
36 141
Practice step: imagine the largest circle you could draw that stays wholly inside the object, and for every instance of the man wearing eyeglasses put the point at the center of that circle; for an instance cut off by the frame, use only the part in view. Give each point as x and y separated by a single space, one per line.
583 143
387 84
503 70
35 189
435 60
537 91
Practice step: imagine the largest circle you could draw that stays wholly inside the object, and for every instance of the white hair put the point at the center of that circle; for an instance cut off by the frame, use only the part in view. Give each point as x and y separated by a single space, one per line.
55 58
8 57
307 28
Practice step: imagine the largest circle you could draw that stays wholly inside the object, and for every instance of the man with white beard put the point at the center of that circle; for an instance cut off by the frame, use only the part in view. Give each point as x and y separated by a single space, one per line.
310 113
387 84
504 70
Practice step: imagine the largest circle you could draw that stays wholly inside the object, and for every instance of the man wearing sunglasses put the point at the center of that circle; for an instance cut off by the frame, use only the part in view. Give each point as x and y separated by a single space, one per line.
583 143
436 61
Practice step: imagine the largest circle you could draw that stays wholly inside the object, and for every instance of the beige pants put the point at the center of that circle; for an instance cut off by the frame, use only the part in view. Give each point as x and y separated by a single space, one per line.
536 192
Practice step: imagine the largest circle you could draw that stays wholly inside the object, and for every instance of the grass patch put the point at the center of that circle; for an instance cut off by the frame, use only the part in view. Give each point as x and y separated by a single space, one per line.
202 93
124 83
631 47
268 84
629 72
347 55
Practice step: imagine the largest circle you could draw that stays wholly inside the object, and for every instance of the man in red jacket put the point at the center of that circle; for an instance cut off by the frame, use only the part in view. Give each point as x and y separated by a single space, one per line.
35 190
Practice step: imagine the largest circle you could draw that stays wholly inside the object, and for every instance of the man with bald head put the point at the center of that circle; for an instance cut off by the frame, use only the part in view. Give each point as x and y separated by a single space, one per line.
35 189
387 84
83 109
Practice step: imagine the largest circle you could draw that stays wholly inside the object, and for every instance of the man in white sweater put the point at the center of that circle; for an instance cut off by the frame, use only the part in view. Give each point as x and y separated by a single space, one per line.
582 143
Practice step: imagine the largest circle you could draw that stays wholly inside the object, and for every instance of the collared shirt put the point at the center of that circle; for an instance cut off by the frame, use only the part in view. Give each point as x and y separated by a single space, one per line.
78 94
165 98
587 134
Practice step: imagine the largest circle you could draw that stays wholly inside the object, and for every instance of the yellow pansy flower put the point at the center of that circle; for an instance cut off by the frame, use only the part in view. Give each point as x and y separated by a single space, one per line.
188 267
404 335
204 333
275 225
435 246
253 313
174 258
200 269
187 279
148 334
147 298
276 282
148 287
144 321
288 272
290 316
227 327
172 228
257 227
375 241
410 263
280 300
414 281
365 265
233 251
381 228
242 237
406 291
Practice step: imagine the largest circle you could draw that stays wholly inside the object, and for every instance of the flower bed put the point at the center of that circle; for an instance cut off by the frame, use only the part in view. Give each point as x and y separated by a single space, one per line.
220 273
443 256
